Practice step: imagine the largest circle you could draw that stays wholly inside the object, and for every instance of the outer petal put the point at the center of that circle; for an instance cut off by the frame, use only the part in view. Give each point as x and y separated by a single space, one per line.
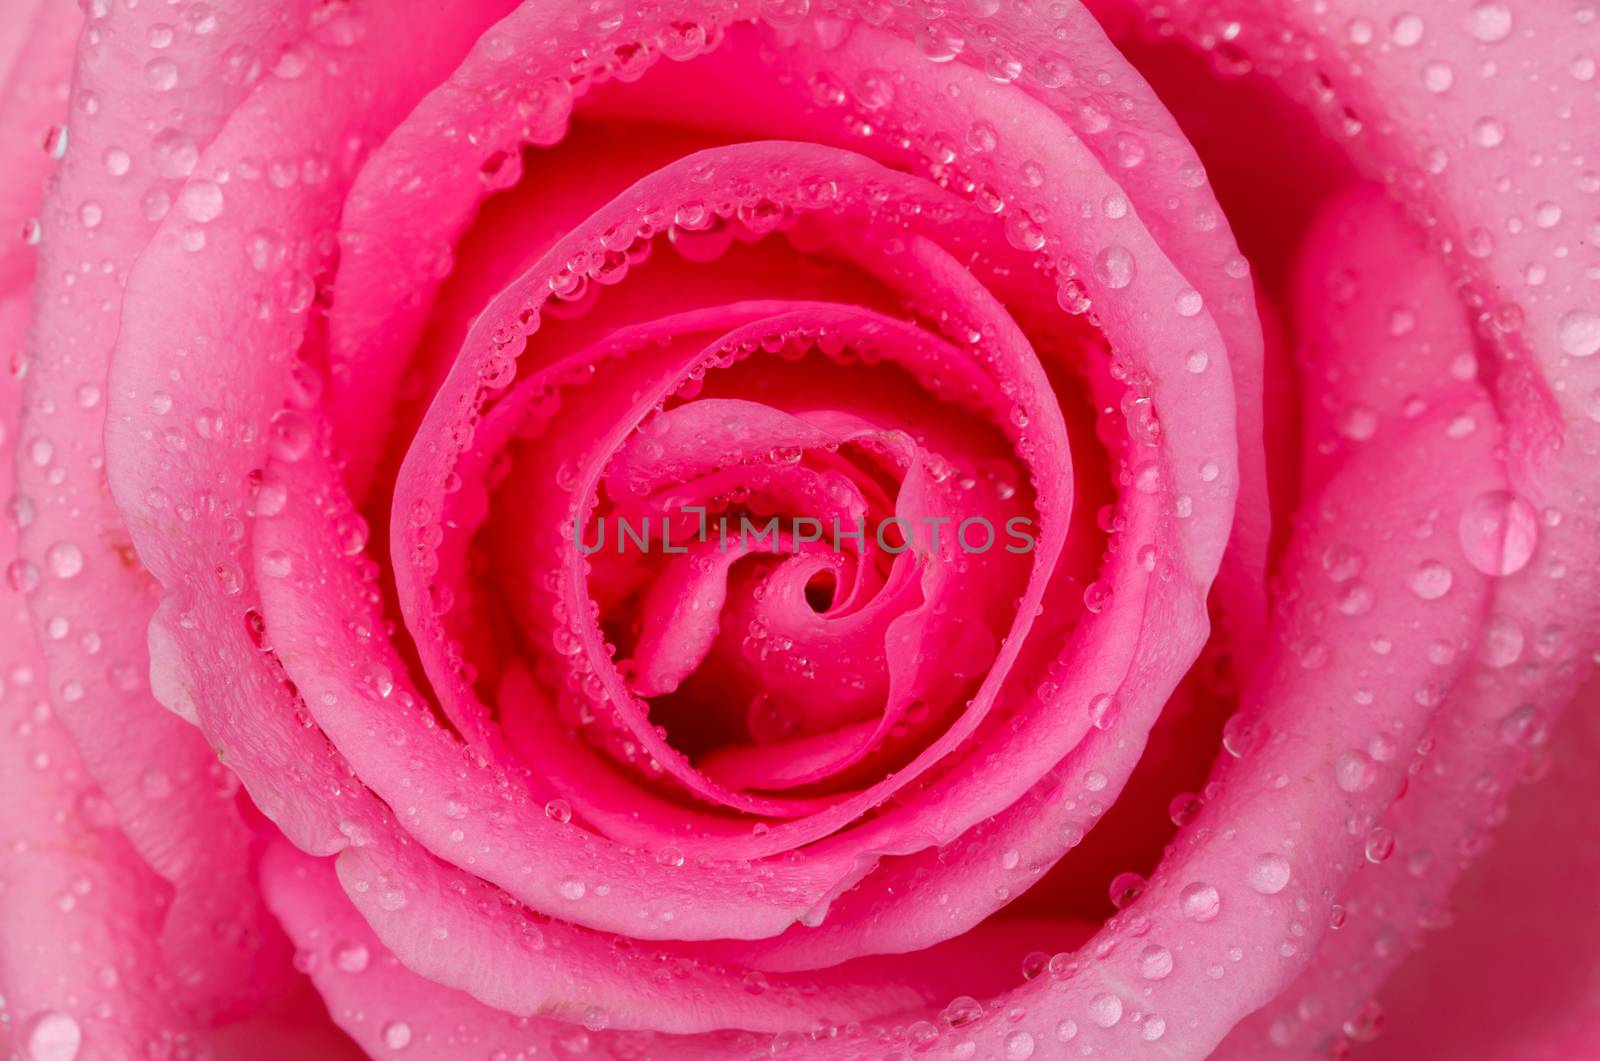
234 269
1483 122
122 160
1504 700
81 965
1512 975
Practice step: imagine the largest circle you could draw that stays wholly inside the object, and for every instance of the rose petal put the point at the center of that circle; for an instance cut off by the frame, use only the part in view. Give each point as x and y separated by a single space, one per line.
81 915
203 631
168 792
1478 741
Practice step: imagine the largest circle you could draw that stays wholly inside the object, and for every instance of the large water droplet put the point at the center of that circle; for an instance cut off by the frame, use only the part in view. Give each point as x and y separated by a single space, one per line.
1019 1046
784 13
64 559
1269 874
1199 902
397 1036
1355 771
1498 532
1489 22
351 957
1580 333
1432 580
54 1037
201 200
1155 962
1114 266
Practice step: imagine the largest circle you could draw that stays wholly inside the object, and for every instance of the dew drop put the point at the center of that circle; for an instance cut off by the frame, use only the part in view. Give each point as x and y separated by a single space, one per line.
1019 1046
201 200
962 1011
174 154
1355 771
291 435
1580 333
1498 532
1405 30
397 1035
1199 902
1489 22
1023 233
64 560
981 136
351 957
54 1037
1105 1009
1155 962
1241 735
1183 808
161 74
1502 642
1488 132
1114 266
1432 580
1438 77
1269 874
1072 296
1125 888
784 14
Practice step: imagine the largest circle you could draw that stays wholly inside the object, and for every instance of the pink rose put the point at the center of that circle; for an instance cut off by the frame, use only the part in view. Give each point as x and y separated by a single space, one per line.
712 529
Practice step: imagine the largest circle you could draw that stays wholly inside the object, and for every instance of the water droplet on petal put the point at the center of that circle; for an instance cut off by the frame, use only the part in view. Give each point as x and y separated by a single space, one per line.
783 14
1269 874
1502 642
1125 888
1580 333
1019 1046
54 1037
1114 266
1155 962
1199 902
1105 1009
962 1011
1405 30
1355 771
1489 22
162 74
64 560
201 200
1432 580
351 957
1498 532
397 1035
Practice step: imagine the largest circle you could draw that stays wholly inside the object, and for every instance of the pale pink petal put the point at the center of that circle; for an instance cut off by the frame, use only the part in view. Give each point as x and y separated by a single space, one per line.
1508 974
190 294
121 166
82 967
